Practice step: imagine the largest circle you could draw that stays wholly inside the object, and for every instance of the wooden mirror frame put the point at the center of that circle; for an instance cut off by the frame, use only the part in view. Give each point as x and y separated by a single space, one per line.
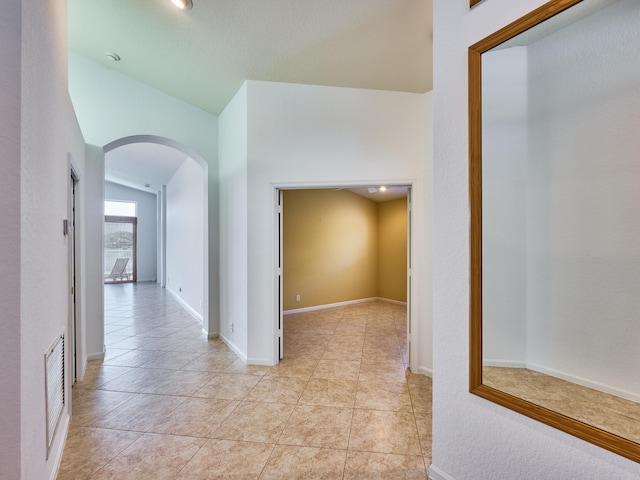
473 2
589 433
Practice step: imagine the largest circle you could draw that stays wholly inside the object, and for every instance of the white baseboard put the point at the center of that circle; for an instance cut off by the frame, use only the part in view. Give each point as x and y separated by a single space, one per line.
504 363
436 474
94 356
210 334
187 307
388 300
585 382
233 348
259 361
425 371
341 304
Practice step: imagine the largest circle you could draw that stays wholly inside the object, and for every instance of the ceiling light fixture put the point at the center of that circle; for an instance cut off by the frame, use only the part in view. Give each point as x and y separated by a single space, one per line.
372 189
383 189
183 4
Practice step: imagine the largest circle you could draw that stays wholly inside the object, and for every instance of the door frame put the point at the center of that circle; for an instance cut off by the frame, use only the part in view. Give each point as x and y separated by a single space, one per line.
278 263
74 281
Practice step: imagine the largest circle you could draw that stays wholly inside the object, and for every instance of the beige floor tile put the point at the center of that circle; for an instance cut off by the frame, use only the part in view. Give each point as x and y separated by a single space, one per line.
152 456
346 369
383 371
241 368
97 374
90 405
307 438
380 466
308 463
228 386
348 342
384 432
89 449
423 422
346 327
172 360
338 352
215 361
255 422
278 390
330 392
380 395
178 382
318 426
295 367
140 413
196 417
227 459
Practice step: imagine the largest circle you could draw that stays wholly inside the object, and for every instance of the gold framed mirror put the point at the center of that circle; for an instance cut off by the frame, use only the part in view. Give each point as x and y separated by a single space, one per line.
554 184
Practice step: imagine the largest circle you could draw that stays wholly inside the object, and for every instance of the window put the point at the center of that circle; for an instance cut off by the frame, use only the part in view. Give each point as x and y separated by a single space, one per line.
119 209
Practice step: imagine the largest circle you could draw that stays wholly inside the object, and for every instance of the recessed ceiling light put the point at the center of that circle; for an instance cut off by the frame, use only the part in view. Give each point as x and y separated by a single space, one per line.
383 189
114 57
183 4
147 185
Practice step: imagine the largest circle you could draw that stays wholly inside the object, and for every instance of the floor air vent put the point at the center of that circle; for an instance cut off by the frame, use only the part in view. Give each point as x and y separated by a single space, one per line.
54 386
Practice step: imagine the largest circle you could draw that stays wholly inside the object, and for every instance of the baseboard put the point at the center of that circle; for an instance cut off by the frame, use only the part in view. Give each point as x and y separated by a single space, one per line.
436 474
389 300
425 371
585 382
329 305
504 363
233 348
186 306
94 356
210 334
259 361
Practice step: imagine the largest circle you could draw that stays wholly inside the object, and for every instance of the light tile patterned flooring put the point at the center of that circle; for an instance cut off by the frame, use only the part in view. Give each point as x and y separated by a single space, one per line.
168 403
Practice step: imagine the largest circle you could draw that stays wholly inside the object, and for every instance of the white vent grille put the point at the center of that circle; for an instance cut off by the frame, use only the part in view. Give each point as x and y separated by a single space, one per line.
54 386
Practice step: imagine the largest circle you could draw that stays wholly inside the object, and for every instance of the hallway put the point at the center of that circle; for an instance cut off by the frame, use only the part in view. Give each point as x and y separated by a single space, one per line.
168 403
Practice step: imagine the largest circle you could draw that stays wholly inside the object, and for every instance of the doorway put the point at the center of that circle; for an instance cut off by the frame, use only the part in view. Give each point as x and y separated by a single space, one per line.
339 246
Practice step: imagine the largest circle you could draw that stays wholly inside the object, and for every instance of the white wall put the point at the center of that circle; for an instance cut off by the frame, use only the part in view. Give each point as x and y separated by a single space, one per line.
111 106
504 206
146 229
585 201
93 184
233 222
49 131
185 234
309 135
10 214
474 438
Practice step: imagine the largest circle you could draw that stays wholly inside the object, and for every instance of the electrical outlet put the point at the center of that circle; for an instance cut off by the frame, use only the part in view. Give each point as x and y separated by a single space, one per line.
297 298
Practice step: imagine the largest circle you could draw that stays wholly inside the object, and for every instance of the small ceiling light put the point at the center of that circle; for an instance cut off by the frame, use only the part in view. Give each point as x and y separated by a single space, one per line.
372 189
147 185
114 57
383 189
183 4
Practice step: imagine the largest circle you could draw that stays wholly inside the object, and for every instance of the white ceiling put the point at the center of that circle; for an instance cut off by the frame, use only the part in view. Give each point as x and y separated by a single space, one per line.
203 55
139 164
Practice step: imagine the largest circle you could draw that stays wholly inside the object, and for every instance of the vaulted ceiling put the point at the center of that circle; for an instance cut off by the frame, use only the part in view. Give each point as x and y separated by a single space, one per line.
203 55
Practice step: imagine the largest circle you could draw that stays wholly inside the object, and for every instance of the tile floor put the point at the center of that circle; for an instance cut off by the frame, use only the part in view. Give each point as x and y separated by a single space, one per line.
168 403
607 412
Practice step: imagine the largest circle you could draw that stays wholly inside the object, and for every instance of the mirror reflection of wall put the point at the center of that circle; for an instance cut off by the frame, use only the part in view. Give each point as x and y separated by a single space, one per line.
561 205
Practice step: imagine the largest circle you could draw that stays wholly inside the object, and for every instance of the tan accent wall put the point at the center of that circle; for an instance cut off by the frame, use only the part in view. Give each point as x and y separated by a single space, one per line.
392 250
331 248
